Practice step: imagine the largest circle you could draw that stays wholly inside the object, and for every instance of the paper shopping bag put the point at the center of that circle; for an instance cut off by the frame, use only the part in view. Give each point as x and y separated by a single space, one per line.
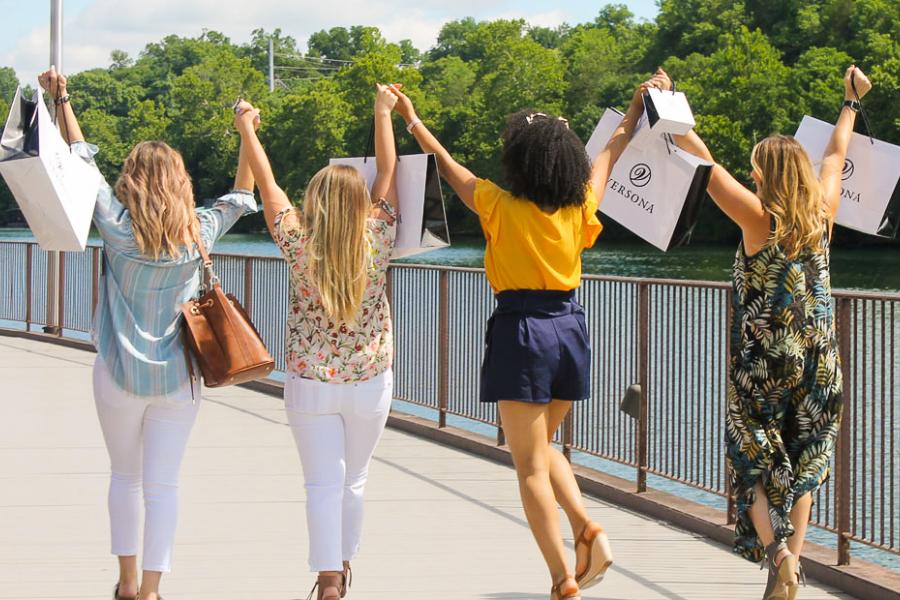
656 192
55 189
870 194
423 219
664 112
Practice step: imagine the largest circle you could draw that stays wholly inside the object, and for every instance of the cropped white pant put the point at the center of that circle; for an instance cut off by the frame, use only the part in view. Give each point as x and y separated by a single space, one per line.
336 428
146 438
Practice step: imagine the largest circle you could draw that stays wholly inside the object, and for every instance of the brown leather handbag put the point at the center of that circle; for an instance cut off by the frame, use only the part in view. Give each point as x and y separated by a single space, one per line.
219 333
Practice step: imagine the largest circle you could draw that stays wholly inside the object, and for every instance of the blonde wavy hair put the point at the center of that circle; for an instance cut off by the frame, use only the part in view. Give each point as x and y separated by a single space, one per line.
156 189
335 209
791 193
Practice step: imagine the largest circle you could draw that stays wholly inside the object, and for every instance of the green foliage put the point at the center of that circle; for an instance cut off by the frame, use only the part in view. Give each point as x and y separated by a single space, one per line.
750 68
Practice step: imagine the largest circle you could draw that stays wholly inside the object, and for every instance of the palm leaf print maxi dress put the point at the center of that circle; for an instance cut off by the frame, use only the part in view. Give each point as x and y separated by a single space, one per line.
784 393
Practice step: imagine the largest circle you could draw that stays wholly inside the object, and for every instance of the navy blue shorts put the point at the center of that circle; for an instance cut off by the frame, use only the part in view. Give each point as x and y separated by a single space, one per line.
536 348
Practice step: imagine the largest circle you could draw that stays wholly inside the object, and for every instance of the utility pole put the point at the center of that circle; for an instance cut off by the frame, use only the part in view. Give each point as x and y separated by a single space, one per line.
53 258
271 65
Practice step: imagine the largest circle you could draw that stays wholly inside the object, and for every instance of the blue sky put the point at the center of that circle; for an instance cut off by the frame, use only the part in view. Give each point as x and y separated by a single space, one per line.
96 27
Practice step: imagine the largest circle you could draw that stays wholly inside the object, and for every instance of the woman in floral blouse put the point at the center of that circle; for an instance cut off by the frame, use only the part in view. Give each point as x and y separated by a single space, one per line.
339 339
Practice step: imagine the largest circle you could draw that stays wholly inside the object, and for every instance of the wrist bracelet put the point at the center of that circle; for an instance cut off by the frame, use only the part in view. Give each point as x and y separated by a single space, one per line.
412 124
851 104
61 100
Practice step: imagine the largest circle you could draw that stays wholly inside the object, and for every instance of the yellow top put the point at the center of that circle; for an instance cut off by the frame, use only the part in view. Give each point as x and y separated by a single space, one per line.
529 249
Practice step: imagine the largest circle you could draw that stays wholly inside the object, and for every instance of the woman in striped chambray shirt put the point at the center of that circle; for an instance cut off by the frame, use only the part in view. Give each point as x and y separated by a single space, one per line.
146 399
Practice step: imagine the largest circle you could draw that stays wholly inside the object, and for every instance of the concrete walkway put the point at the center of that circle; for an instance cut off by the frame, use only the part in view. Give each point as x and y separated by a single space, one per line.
441 524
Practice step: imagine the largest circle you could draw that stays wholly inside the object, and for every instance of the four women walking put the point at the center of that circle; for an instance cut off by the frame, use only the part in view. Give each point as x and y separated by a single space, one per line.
783 404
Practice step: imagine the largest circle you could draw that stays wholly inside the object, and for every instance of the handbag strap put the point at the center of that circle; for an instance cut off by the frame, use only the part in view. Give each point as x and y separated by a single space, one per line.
370 142
209 279
862 110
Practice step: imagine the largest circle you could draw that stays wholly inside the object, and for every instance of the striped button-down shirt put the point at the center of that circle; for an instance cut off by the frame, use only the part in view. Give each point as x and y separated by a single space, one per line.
137 325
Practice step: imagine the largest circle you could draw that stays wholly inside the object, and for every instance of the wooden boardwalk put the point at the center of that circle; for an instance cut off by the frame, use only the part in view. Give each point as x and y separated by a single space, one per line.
441 524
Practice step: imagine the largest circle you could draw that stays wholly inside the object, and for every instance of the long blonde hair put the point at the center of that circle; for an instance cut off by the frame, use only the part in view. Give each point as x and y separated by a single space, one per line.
791 193
156 189
336 207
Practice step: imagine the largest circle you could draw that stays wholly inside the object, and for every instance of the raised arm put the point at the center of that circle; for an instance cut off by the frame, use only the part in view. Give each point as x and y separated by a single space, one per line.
460 178
385 153
836 151
606 160
246 120
55 84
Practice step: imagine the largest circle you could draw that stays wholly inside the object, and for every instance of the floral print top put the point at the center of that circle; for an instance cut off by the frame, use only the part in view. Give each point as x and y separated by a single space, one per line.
316 347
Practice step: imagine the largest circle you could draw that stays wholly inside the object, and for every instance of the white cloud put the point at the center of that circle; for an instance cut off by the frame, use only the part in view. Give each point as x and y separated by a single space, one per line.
105 25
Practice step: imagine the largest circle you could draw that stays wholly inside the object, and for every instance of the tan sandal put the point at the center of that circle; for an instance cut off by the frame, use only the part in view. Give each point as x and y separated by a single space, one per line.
783 581
326 581
347 579
600 557
556 592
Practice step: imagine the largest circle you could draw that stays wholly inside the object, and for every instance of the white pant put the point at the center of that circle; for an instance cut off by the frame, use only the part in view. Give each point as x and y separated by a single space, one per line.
146 438
336 427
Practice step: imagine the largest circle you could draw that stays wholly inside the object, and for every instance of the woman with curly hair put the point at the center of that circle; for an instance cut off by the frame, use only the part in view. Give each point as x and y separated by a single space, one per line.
537 355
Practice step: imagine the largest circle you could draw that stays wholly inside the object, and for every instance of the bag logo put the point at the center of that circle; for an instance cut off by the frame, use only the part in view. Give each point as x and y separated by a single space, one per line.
847 173
640 175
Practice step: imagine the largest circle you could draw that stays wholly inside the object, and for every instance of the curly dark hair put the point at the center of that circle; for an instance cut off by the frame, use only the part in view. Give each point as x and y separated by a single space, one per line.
544 161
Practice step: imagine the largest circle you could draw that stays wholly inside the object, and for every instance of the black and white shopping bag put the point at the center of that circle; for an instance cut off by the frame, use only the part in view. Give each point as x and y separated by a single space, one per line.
870 190
655 192
665 112
55 189
423 218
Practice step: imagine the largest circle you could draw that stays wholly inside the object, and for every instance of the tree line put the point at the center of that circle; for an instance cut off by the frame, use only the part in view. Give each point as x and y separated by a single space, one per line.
749 67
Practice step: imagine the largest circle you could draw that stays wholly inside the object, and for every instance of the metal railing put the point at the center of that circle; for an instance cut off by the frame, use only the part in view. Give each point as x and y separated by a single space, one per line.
669 336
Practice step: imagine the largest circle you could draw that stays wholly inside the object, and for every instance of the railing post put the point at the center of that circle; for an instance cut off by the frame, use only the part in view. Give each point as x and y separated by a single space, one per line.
842 464
95 279
443 346
248 284
568 434
731 506
643 377
61 295
29 250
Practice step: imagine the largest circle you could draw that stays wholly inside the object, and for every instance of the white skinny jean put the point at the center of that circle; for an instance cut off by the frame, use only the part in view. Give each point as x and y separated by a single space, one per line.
336 427
146 438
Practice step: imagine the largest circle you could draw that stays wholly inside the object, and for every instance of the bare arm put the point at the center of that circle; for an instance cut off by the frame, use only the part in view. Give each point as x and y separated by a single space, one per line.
243 178
385 152
273 197
55 84
836 151
460 178
606 160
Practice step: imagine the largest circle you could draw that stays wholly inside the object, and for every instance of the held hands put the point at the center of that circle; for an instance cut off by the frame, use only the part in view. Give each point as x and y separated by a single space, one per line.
854 75
659 80
385 98
53 82
246 118
404 105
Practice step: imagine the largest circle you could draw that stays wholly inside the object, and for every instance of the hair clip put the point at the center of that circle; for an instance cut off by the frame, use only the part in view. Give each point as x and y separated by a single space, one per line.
530 118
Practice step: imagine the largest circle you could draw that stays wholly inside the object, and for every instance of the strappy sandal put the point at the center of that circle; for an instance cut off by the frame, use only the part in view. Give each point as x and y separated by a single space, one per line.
599 557
556 592
321 583
782 582
116 595
347 579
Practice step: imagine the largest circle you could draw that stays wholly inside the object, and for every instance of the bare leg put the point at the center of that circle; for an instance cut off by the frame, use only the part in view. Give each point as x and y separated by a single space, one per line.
526 428
759 514
150 585
128 576
800 521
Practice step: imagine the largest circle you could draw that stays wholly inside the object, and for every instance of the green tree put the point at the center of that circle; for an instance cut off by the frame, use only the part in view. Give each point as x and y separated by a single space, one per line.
99 90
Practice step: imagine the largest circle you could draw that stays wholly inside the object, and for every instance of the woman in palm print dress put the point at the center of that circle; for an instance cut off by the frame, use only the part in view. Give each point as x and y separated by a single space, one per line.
784 394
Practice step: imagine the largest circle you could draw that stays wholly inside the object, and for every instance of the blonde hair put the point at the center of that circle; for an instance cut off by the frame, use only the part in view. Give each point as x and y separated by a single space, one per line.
156 189
791 193
336 207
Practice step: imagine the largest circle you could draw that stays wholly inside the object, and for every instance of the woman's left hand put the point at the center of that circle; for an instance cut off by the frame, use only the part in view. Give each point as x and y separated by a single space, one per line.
246 118
385 99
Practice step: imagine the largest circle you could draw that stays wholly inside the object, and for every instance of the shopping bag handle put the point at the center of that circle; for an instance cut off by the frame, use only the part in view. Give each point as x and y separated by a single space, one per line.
370 142
862 110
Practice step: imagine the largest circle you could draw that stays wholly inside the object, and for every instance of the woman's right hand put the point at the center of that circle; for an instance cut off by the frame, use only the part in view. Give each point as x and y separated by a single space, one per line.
854 75
53 82
246 118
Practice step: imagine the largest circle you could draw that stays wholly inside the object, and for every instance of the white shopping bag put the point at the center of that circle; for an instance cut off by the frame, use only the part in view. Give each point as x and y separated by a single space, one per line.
55 189
870 194
656 192
664 112
423 220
